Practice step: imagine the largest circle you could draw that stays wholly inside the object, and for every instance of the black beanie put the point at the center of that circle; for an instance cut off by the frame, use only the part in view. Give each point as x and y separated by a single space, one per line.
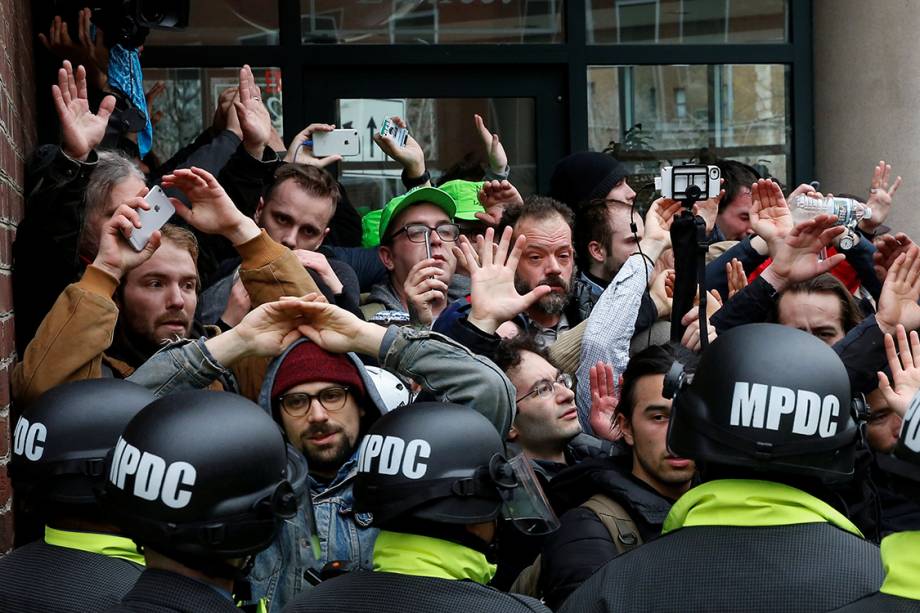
584 176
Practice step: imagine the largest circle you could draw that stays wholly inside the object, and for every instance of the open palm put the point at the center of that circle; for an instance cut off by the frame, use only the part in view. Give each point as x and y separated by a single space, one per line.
81 129
494 298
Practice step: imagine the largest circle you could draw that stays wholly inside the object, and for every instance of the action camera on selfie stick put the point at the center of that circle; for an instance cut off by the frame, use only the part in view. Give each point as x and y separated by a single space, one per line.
689 184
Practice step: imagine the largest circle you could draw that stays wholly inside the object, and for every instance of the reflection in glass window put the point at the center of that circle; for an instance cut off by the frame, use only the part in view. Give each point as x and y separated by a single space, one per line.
431 21
224 22
187 106
687 21
445 130
729 111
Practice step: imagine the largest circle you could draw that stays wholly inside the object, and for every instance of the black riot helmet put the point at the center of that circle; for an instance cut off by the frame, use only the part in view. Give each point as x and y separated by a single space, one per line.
203 475
444 463
769 398
60 441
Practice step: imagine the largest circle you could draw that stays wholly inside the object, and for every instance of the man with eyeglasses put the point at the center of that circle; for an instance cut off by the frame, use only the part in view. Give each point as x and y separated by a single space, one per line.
644 483
417 231
325 400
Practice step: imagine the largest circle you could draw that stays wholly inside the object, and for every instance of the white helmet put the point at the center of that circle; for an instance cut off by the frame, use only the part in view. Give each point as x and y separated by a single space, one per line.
393 391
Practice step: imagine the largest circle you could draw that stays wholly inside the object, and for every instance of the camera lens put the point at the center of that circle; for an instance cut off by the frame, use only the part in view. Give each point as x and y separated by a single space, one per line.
714 173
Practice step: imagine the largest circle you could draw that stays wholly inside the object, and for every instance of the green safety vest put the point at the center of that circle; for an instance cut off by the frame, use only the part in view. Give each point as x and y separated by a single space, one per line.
108 545
425 556
749 502
901 556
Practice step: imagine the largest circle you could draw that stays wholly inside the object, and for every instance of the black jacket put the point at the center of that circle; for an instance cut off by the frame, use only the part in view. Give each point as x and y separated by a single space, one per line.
160 591
42 577
362 591
583 544
801 567
881 603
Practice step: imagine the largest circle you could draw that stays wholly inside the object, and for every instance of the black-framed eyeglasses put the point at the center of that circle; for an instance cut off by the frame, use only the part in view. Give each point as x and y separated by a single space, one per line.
298 404
547 387
417 232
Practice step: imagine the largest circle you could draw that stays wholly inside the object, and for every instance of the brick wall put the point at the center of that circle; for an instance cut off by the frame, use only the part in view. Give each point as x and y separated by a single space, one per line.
17 139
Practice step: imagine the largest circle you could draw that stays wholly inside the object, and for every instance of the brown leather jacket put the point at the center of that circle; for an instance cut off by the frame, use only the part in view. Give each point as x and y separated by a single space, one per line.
71 341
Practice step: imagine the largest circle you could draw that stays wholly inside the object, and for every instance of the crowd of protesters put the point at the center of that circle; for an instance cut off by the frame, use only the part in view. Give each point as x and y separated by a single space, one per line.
470 400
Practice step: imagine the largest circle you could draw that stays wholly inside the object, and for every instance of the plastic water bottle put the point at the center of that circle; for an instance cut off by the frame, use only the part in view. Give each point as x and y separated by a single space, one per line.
847 211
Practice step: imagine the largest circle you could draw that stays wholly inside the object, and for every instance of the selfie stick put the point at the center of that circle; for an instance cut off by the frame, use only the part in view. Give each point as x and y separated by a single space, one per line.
689 242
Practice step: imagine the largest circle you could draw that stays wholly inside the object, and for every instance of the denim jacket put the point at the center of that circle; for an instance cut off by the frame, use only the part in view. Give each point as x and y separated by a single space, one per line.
444 368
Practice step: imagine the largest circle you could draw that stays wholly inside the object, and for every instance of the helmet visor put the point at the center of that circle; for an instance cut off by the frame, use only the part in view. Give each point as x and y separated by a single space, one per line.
523 500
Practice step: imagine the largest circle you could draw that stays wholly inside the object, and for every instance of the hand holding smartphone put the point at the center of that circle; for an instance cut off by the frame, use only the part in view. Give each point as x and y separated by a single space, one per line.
152 219
344 142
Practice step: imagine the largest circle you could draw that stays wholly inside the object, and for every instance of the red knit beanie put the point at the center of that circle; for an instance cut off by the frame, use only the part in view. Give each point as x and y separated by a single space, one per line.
307 362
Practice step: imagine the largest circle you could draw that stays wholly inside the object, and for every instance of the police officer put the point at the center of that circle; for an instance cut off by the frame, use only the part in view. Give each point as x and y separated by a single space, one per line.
769 421
900 593
436 479
202 481
59 446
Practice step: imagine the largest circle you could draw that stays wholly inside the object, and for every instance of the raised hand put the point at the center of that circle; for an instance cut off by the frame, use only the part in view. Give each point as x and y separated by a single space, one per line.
116 256
338 331
212 210
81 130
737 279
796 258
255 121
157 90
662 292
888 248
691 337
492 147
771 218
425 292
225 115
658 226
494 299
495 197
880 195
318 263
709 209
897 303
299 153
904 363
604 401
411 157
92 54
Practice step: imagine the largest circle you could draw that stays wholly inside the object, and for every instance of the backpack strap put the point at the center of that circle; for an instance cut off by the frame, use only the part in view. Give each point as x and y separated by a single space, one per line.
623 530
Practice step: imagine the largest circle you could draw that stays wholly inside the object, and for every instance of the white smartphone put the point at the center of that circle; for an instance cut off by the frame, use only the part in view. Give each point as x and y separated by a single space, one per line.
343 142
152 219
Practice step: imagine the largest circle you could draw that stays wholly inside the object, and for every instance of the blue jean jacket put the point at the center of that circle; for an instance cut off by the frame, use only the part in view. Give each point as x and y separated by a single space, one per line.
344 535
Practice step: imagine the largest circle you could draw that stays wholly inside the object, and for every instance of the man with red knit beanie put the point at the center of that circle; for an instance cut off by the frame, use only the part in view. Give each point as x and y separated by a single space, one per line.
322 396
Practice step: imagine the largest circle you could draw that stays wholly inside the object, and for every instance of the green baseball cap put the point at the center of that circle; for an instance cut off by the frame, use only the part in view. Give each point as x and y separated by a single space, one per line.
416 195
466 195
370 229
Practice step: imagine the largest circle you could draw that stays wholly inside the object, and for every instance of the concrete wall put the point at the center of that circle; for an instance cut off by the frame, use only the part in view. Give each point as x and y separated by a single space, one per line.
17 139
867 98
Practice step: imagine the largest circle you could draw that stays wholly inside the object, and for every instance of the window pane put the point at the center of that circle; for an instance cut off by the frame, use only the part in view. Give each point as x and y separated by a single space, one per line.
224 22
431 21
187 106
650 116
687 21
444 128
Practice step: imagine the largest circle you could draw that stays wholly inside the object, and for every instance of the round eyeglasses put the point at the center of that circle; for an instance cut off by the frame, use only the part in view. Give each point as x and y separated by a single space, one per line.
418 232
547 387
298 404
